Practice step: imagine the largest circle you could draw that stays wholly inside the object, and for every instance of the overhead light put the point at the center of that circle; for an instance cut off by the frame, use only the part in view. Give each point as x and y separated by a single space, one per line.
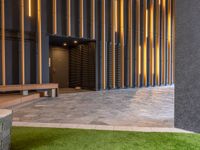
75 42
65 44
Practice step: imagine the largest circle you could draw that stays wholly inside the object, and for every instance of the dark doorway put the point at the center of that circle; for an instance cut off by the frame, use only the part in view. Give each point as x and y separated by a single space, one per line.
73 63
82 66
59 66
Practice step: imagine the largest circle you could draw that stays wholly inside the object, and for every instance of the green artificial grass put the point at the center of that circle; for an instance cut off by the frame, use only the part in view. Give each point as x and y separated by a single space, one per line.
71 139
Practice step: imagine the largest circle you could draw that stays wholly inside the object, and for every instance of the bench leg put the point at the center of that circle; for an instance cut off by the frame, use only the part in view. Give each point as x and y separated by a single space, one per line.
52 93
43 93
24 93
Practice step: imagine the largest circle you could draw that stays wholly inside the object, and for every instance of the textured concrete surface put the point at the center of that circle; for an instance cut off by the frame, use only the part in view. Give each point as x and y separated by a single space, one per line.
146 107
187 89
5 128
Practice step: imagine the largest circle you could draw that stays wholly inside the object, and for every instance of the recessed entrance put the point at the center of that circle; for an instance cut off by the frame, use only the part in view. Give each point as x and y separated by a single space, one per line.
59 66
72 64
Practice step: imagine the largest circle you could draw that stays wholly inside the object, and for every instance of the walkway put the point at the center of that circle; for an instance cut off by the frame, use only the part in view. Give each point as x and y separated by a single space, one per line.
146 107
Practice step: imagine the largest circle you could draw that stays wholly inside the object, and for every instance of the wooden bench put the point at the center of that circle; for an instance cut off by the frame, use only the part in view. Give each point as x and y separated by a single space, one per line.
51 88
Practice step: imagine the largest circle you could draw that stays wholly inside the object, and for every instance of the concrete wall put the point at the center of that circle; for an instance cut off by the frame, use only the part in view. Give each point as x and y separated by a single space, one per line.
5 129
187 89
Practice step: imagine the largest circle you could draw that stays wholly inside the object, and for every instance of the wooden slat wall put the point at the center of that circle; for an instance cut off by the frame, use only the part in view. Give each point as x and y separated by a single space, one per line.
109 66
118 66
120 36
75 67
82 66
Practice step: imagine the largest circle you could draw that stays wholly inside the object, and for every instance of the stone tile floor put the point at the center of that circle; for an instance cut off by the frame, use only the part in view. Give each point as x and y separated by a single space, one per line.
145 107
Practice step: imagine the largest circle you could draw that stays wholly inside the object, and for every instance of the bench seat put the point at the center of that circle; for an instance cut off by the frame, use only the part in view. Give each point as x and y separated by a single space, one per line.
52 88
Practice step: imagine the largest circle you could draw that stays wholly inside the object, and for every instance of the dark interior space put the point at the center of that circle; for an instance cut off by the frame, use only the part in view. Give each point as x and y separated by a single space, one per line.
72 63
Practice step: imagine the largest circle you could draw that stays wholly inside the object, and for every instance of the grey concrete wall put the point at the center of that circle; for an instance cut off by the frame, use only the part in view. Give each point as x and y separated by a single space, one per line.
187 89
5 129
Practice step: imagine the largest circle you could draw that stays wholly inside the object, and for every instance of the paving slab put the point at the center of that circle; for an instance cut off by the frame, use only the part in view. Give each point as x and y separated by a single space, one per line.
143 107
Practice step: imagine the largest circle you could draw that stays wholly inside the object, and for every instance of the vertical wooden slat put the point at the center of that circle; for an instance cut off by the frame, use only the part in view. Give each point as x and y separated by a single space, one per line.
122 41
145 36
68 17
54 16
130 41
39 41
163 37
173 40
3 43
81 30
138 47
113 41
103 46
93 19
22 43
169 44
158 42
151 43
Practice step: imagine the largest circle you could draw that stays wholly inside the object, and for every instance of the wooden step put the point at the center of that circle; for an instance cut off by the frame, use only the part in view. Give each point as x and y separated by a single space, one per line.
16 99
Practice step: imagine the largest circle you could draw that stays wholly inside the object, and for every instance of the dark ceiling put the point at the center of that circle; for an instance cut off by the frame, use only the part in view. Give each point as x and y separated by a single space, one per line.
64 41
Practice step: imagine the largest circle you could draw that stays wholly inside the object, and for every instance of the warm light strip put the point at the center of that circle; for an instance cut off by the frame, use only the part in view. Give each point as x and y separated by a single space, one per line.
29 8
113 41
22 44
54 16
39 41
169 43
68 17
158 43
137 40
122 40
152 71
81 18
130 41
147 15
145 43
145 63
139 59
116 18
163 40
3 59
103 47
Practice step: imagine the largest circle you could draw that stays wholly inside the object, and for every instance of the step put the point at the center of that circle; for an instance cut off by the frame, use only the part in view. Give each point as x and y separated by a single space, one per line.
16 99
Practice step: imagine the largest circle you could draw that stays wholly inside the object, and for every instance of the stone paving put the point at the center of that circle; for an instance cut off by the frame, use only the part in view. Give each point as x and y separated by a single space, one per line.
145 107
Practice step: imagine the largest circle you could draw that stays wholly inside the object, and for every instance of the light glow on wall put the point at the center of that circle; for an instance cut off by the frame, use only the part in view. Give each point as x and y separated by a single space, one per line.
139 59
29 8
145 63
122 42
116 18
158 42
152 42
163 58
145 42
169 44
147 23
